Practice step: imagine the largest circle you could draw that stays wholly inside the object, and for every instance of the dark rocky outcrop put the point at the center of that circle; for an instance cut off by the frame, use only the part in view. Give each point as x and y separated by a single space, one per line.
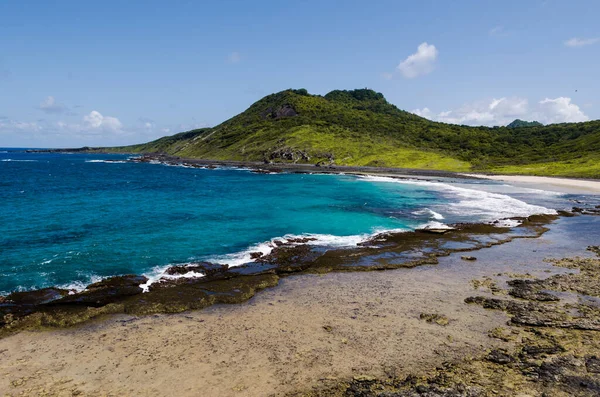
106 291
530 290
217 283
285 110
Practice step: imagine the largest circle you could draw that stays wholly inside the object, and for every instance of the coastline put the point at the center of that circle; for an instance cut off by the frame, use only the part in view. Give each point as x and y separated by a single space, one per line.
566 185
338 334
326 324
202 284
177 292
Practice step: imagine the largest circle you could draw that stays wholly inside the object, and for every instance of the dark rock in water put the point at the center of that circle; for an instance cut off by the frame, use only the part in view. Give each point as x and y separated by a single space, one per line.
208 269
595 249
291 258
587 211
434 230
301 240
37 297
468 258
567 214
106 291
256 255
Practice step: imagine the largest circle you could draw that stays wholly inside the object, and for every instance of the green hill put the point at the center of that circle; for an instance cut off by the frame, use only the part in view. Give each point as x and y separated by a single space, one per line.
522 123
359 127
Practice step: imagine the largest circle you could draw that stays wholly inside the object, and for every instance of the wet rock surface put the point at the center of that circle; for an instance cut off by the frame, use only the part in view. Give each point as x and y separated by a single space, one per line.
552 348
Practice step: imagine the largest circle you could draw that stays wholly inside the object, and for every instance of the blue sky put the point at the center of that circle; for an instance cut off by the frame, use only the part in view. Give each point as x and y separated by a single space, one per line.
76 73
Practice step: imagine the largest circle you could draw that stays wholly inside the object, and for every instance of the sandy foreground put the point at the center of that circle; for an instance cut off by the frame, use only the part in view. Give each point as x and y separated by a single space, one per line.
306 333
566 185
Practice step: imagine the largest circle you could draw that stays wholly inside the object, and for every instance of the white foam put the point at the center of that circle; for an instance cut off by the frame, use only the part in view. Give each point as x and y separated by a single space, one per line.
243 257
487 206
158 273
78 286
507 223
106 161
435 225
430 212
24 161
322 240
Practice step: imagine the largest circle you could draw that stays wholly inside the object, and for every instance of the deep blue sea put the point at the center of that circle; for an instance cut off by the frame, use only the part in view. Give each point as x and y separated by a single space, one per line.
70 219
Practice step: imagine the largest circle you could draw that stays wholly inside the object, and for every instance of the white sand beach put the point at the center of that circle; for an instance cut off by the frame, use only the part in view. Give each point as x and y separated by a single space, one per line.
566 185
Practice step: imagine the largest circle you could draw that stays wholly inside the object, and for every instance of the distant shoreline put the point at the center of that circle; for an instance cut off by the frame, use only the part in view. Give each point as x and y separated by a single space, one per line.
573 184
565 185
586 186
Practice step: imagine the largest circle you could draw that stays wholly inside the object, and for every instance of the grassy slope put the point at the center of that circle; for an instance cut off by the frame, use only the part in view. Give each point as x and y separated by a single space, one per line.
360 128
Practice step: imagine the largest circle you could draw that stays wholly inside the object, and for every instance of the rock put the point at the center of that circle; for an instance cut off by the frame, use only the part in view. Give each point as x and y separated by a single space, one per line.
283 111
301 240
206 268
592 364
530 290
256 255
290 258
468 258
595 249
365 378
499 357
328 328
36 297
106 291
439 319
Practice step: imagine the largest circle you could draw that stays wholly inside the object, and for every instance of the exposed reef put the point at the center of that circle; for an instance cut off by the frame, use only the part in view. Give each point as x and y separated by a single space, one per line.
198 285
552 347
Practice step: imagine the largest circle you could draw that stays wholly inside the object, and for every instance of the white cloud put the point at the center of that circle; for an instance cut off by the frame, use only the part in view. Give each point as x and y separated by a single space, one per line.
420 63
504 110
561 110
234 57
96 121
425 112
577 42
49 105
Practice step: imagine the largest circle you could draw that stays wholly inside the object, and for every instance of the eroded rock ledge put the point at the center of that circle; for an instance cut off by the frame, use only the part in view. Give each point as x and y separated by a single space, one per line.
53 307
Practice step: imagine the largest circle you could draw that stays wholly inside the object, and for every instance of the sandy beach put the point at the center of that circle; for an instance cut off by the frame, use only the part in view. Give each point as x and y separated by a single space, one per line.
566 185
306 334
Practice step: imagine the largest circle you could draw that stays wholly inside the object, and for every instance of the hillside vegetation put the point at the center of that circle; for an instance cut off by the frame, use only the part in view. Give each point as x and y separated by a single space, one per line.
360 127
522 123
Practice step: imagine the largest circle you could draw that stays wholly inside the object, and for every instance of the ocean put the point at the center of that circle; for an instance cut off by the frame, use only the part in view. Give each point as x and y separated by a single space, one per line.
71 219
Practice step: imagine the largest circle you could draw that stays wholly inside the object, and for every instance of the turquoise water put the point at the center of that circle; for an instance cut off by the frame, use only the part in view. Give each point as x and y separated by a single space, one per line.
69 219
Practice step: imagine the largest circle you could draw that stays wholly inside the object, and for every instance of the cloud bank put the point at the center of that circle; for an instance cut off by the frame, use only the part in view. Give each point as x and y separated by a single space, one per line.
504 110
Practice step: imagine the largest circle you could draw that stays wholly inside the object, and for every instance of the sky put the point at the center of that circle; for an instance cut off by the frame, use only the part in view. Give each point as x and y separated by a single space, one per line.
75 73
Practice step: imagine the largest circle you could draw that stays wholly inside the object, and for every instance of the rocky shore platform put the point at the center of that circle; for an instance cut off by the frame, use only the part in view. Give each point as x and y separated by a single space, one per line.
515 319
199 285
